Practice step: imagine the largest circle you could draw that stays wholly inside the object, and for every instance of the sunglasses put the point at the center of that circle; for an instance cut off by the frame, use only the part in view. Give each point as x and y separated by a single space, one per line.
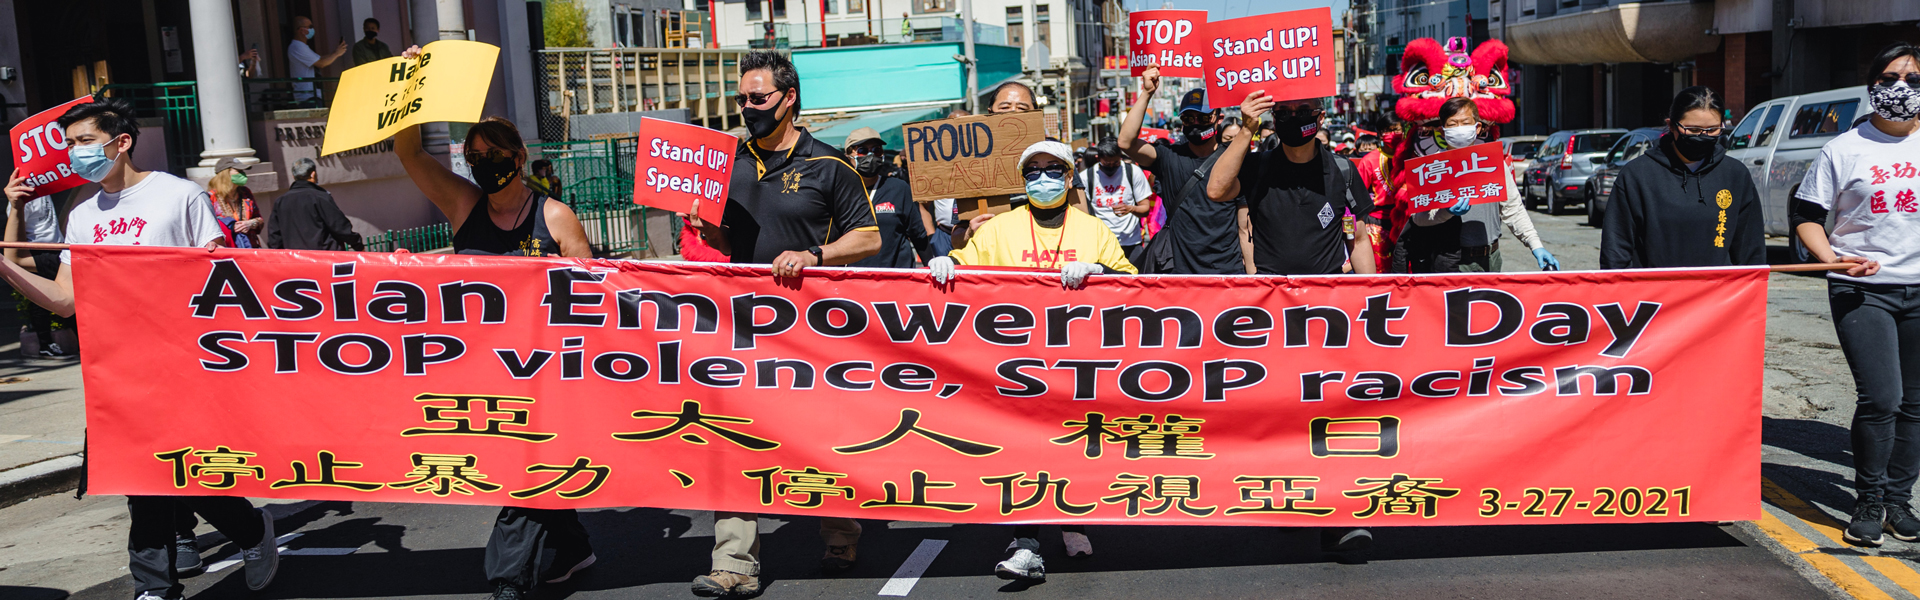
1301 113
746 99
491 154
863 150
1711 130
1195 118
1055 171
1913 79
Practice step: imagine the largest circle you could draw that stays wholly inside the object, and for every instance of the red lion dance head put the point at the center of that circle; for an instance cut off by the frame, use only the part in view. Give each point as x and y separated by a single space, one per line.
1429 75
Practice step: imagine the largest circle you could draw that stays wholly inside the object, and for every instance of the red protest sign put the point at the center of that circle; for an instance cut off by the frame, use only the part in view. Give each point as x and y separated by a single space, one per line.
42 155
679 163
1477 173
1168 38
1152 135
1289 54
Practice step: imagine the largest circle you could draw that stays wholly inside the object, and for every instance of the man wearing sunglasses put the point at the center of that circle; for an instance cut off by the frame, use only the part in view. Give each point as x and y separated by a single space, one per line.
1200 237
1305 203
793 203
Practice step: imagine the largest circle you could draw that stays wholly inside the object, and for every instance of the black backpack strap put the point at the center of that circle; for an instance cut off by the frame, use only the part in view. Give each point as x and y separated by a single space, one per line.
1347 172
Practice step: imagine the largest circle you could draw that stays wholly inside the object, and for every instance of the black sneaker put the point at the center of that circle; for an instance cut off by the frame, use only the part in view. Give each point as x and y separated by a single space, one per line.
1901 523
52 350
507 592
186 557
1869 520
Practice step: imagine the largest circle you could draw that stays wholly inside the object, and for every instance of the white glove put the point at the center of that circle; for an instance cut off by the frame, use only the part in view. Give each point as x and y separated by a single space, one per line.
1075 273
942 268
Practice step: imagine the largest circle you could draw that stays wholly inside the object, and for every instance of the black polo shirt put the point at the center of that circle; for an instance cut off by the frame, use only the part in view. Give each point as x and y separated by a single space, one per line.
1296 211
902 235
789 200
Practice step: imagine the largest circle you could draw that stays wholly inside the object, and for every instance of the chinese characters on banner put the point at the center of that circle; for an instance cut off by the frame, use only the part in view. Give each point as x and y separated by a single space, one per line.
41 151
448 82
1170 39
546 382
1289 54
1899 201
679 163
1475 173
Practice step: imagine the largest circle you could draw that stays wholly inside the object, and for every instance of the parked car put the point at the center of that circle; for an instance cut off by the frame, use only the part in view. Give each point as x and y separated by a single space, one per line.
1521 150
1600 185
1558 177
1778 149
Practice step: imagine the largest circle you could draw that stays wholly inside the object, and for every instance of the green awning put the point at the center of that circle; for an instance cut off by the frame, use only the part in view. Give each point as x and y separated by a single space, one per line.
886 122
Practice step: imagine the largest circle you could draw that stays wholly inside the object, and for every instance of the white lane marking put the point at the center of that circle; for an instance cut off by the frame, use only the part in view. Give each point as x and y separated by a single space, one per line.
916 525
909 573
319 552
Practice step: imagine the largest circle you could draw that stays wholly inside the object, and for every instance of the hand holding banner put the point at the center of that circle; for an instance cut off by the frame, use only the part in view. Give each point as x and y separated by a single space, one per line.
679 163
448 82
1167 38
1476 173
1289 54
42 155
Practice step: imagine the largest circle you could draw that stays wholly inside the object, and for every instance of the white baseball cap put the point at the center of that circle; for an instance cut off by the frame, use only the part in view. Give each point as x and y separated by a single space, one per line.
1057 149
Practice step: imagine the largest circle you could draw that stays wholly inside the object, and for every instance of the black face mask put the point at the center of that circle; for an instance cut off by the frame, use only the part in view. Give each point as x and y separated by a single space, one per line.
1695 147
869 165
761 122
1296 131
493 174
1199 134
372 34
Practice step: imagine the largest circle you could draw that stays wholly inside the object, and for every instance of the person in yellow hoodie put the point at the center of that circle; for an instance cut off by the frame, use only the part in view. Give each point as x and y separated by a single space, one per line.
1044 234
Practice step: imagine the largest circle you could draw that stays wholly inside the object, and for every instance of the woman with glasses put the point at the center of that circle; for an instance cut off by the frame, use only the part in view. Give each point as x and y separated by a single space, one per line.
1866 179
498 214
1684 205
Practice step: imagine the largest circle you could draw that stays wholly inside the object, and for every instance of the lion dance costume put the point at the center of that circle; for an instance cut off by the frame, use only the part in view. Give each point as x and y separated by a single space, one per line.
1429 76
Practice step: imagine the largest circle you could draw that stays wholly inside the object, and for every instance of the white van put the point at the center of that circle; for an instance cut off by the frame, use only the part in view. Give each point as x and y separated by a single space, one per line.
1781 137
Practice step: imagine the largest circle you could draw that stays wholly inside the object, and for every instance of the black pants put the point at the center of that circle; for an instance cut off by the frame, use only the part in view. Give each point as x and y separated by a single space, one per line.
153 522
519 534
1879 328
1032 532
46 264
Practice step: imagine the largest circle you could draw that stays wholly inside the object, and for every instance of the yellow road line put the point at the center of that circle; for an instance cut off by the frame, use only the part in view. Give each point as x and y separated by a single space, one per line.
1900 572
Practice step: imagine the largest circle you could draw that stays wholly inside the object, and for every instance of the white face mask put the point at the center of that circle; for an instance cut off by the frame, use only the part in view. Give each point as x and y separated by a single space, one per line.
1460 137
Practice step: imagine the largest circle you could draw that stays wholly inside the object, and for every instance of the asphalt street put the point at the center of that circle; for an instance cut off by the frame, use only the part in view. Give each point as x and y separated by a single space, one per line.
56 546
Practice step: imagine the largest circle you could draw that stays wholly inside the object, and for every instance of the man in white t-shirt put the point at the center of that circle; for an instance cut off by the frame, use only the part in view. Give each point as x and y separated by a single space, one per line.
141 208
1120 195
302 61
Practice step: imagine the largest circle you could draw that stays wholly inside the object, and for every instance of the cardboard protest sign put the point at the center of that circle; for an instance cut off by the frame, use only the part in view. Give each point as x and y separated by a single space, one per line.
1170 39
1477 173
1152 135
42 151
969 157
679 163
448 82
1289 54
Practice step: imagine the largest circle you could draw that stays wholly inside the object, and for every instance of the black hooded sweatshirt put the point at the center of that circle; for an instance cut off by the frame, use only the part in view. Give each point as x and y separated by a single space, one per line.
1663 214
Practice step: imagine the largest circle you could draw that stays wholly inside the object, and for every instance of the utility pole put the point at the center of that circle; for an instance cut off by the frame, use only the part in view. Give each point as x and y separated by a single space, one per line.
973 67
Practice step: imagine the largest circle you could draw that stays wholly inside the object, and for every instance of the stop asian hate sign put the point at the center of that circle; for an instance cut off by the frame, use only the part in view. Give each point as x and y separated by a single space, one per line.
678 164
41 151
1169 39
1289 55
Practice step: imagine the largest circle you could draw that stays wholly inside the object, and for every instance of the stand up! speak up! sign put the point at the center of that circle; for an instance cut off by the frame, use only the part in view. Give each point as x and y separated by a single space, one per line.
969 157
678 164
1289 54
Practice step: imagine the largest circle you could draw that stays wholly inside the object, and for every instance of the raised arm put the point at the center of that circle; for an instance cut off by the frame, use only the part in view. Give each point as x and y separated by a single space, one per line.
449 192
1223 184
1138 149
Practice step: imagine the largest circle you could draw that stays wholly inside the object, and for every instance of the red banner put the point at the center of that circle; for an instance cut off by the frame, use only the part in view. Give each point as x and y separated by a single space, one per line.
42 151
1151 134
1559 397
1476 173
1289 54
679 163
1170 39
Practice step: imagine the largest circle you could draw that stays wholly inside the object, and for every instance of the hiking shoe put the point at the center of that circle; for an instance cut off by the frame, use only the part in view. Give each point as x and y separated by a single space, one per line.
1023 564
186 557
263 559
1869 519
1078 546
1901 523
566 563
840 558
725 583
1345 540
505 591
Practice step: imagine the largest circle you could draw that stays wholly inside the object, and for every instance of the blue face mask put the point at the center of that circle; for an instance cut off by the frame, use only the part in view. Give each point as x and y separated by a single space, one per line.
309 34
1047 191
90 162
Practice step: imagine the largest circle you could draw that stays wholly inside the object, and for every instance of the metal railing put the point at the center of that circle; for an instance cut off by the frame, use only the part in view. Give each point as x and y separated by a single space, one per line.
573 82
417 239
177 105
597 182
268 95
860 32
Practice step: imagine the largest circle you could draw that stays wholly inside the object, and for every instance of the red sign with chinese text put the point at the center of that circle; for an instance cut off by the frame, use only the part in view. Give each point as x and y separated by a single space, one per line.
40 154
1152 135
1556 397
1289 54
1476 173
1171 39
678 164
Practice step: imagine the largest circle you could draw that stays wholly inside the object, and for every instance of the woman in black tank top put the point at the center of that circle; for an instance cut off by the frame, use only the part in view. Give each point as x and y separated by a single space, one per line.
496 213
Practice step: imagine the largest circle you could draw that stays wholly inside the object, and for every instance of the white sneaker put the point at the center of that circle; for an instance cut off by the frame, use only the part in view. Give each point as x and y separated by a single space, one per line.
1024 564
263 559
1078 546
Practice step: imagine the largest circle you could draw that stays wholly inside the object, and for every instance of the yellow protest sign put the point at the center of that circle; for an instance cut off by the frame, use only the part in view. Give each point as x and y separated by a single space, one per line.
448 82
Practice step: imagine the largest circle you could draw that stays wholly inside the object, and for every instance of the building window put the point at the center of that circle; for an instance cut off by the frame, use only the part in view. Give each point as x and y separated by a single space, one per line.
921 7
855 7
833 6
779 8
1016 20
753 11
1041 25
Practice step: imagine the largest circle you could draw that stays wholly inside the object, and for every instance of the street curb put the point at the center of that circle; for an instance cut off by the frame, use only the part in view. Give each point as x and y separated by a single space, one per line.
38 479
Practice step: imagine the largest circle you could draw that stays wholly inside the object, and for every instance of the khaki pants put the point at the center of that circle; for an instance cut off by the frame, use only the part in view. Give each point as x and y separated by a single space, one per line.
736 539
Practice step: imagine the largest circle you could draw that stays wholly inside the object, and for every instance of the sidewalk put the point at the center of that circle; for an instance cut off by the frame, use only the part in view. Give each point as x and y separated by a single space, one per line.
42 422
